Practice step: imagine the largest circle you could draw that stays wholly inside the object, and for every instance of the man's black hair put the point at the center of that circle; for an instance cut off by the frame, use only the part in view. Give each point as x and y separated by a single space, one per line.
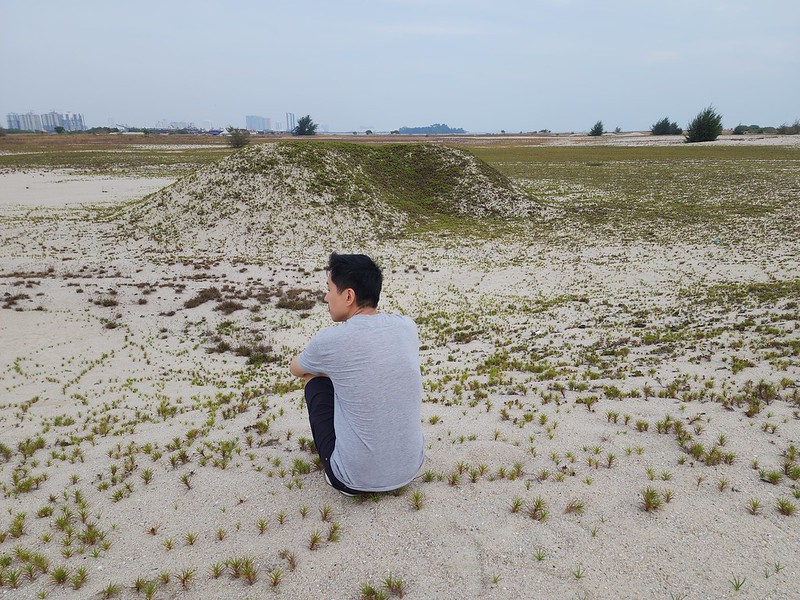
358 272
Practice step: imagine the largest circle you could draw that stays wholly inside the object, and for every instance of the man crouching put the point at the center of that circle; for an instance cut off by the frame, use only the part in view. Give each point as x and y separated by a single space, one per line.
363 385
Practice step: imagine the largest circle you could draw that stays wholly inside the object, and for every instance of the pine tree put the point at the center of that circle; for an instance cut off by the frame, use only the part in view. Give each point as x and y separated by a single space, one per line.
705 127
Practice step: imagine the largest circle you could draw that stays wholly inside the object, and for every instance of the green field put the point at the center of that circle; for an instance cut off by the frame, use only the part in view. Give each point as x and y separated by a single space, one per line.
651 192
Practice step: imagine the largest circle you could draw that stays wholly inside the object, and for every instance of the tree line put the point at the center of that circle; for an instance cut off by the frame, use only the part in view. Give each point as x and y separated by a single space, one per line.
705 127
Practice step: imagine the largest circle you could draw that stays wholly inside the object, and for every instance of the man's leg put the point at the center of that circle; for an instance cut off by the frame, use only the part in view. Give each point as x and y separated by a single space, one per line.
319 401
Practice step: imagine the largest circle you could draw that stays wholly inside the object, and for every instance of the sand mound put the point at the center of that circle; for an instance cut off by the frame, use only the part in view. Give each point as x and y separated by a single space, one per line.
293 198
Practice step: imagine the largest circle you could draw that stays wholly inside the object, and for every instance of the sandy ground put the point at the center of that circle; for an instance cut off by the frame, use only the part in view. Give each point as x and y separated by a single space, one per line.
63 189
176 453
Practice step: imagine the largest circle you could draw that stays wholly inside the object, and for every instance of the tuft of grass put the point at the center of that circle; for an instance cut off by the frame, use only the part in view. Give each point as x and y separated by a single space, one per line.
737 583
516 504
786 507
59 575
217 569
537 509
249 570
275 577
334 531
325 512
112 590
186 577
395 585
651 499
754 506
290 557
79 578
577 507
314 540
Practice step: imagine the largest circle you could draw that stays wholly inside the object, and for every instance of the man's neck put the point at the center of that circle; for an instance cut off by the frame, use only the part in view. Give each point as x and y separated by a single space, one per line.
363 310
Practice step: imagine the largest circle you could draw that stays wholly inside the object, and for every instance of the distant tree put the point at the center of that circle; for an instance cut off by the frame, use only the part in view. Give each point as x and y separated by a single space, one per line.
239 138
305 126
618 129
792 129
368 132
597 129
665 127
743 129
59 129
705 127
395 131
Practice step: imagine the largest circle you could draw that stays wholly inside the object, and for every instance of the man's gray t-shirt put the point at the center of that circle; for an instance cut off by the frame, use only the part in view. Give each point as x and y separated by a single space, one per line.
373 362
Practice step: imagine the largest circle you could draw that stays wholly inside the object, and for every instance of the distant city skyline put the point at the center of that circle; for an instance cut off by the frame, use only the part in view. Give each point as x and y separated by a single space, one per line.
49 121
513 65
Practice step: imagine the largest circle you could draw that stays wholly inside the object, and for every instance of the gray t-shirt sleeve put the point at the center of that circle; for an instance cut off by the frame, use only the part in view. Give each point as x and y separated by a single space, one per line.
316 355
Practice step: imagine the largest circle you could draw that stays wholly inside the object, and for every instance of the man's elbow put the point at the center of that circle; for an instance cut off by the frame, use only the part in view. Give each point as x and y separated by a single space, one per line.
295 368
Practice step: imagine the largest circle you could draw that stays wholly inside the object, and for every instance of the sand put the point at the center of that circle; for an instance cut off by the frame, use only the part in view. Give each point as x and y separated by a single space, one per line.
102 357
66 189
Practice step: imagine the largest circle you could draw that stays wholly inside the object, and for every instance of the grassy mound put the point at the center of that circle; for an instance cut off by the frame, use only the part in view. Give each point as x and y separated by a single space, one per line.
291 197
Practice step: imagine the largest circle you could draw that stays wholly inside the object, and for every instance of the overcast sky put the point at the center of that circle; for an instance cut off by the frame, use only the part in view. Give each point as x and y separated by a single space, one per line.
483 65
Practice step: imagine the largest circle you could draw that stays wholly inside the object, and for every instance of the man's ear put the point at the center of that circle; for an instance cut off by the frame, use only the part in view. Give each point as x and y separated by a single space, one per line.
349 296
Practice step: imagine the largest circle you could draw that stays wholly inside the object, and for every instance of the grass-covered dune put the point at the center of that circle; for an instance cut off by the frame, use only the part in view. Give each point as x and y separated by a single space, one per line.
287 197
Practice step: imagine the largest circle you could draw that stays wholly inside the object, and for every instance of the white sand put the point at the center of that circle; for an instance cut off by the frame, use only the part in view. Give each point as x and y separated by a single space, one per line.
63 189
464 542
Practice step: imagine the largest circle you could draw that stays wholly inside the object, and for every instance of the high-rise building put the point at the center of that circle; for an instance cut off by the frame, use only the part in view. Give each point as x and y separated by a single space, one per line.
46 122
290 122
13 121
256 123
29 122
73 122
51 120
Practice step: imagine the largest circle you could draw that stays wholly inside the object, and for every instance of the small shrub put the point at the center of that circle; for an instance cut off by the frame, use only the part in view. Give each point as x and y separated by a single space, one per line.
202 297
297 299
665 127
792 129
597 129
238 138
705 127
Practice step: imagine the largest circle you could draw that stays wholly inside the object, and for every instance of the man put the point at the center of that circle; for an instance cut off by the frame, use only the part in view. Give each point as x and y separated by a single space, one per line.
363 385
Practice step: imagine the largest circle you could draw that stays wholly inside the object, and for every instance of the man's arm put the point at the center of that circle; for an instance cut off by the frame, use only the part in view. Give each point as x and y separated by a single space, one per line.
295 368
298 371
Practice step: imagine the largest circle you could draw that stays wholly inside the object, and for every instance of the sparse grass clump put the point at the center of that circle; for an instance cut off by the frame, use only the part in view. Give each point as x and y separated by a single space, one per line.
537 509
786 507
651 499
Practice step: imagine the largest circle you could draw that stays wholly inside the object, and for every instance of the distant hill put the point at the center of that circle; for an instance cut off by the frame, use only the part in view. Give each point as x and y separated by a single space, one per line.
436 128
296 198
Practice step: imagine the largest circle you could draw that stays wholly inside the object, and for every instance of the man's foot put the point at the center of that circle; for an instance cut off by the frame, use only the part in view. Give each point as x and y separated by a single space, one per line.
328 481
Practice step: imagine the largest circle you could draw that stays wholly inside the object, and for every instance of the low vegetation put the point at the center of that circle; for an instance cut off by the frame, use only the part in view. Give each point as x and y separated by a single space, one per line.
624 358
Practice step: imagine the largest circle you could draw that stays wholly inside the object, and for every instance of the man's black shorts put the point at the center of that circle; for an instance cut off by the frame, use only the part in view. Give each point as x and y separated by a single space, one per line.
319 401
